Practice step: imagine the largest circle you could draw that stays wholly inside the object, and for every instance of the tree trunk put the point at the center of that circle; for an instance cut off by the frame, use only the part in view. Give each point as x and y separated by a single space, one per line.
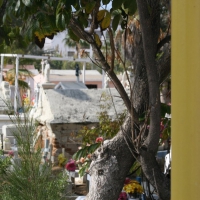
149 19
110 165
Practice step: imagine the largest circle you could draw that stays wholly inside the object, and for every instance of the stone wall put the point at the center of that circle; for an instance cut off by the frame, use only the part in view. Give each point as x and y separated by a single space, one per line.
61 136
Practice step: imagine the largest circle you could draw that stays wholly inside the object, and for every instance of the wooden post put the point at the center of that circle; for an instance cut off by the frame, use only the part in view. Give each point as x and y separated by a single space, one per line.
185 99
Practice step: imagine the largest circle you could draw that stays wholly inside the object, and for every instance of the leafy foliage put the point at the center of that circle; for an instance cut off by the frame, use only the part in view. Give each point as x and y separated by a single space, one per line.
37 20
4 163
106 129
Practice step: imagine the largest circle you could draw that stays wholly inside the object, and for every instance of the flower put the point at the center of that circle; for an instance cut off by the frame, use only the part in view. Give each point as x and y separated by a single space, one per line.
61 160
89 155
70 166
162 127
99 140
127 180
26 101
11 153
133 188
122 196
82 160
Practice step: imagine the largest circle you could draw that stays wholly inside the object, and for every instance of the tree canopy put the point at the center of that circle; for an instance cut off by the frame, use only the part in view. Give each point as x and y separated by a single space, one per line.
34 20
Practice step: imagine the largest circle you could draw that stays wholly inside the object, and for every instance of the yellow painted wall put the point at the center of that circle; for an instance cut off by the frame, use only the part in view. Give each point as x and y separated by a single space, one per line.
185 99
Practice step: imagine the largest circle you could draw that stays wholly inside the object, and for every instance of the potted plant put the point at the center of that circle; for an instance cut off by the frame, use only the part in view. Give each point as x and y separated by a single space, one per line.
71 167
133 189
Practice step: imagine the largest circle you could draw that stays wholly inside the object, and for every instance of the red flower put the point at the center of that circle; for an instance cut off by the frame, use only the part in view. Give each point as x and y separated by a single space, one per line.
11 153
162 127
70 166
127 180
122 196
99 139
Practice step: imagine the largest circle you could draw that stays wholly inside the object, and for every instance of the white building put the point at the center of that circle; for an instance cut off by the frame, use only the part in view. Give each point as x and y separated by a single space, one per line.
58 44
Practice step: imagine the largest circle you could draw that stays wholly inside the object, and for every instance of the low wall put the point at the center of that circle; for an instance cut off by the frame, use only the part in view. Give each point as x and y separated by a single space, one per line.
61 137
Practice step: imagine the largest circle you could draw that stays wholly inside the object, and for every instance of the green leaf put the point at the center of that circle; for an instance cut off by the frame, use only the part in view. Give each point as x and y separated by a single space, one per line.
1 46
93 147
78 154
83 153
60 21
89 7
67 18
84 2
2 32
27 2
115 22
83 19
63 21
23 84
105 23
7 41
59 8
11 34
100 15
73 36
1 2
17 6
68 6
82 171
71 2
76 5
127 3
132 8
116 4
105 2
97 40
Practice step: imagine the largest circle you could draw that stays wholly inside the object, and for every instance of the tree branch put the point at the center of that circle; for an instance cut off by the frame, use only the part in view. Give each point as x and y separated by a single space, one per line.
101 59
164 41
94 14
112 48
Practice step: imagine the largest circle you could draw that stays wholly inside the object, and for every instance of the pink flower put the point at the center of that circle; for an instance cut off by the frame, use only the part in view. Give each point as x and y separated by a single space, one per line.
99 139
122 196
11 153
70 166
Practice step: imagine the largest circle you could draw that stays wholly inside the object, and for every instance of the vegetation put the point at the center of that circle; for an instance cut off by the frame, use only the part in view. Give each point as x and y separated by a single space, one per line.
94 137
146 42
28 175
